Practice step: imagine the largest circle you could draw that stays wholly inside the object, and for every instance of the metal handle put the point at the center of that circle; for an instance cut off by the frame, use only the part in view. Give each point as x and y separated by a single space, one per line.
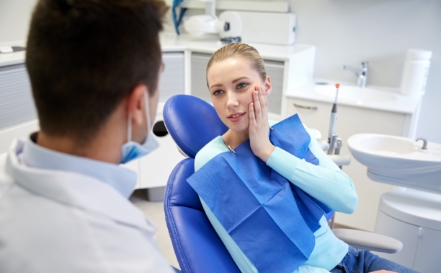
305 107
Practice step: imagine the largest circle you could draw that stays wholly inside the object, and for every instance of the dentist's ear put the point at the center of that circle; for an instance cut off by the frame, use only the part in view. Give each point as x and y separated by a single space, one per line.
268 85
135 102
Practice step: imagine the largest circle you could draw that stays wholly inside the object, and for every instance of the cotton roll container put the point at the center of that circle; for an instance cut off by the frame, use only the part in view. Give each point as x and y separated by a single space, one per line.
415 72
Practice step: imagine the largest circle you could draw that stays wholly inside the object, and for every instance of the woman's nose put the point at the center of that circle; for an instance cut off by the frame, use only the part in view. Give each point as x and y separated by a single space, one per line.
232 100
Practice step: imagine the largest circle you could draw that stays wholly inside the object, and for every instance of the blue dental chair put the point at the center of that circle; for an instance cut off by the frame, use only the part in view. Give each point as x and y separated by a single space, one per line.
193 123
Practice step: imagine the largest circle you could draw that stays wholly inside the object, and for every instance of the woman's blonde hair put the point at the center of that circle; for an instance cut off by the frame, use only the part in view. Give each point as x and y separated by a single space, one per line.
239 50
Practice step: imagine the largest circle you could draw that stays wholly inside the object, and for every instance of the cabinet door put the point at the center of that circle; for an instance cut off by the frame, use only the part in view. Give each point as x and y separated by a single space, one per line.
156 167
172 81
16 103
274 69
199 87
350 121
428 253
402 231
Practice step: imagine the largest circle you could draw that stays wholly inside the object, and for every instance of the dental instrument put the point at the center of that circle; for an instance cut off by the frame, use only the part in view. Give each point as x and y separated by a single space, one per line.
332 138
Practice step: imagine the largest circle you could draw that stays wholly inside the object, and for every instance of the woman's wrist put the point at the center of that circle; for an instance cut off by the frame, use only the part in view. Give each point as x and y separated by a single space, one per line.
266 152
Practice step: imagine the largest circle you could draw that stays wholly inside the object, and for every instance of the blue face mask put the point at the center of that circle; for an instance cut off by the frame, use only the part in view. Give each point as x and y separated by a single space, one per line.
132 150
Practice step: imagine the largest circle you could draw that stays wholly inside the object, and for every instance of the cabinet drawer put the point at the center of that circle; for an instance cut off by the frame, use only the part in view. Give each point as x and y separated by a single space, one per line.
313 114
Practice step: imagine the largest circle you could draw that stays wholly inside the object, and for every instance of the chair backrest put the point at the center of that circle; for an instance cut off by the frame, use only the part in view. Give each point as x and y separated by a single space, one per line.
192 123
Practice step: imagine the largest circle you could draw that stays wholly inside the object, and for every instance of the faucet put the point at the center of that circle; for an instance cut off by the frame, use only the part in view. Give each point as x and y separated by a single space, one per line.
361 73
424 142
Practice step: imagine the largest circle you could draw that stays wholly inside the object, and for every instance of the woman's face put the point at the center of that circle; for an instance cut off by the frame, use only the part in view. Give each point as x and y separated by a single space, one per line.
231 83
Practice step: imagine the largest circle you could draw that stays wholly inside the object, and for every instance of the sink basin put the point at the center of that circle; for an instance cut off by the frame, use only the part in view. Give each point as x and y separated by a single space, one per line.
354 93
398 160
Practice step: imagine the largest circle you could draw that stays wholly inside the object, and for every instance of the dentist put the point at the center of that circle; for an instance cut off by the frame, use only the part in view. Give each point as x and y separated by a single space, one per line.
94 67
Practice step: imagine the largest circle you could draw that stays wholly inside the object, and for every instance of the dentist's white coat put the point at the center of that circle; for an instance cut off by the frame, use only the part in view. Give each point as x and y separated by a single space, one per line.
54 221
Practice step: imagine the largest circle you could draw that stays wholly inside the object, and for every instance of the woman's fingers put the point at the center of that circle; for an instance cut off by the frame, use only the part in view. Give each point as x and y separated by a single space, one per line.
257 106
258 125
263 103
260 104
251 115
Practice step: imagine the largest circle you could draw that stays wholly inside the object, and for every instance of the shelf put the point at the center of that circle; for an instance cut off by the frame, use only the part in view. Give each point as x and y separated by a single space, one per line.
266 6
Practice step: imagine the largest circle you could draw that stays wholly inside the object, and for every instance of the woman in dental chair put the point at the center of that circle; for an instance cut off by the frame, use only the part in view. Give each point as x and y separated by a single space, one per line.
265 188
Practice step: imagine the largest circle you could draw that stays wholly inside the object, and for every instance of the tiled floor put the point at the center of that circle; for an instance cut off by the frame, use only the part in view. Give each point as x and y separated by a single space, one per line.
155 211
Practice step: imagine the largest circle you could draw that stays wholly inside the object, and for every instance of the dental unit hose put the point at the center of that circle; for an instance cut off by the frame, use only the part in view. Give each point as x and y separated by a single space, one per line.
333 116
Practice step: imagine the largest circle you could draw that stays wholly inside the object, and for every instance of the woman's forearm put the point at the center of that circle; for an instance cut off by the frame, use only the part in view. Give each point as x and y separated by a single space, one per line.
325 182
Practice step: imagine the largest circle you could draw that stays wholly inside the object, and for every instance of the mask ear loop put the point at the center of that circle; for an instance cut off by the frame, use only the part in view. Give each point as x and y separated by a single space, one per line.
129 128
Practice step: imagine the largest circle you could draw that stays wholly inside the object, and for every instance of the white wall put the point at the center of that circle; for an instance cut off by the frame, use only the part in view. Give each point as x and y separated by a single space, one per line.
14 19
345 32
379 31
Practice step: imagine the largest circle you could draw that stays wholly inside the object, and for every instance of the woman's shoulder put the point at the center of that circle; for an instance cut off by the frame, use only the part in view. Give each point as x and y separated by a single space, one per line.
210 150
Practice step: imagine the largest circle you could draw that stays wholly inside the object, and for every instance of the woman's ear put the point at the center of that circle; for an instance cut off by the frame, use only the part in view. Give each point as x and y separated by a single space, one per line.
135 102
268 85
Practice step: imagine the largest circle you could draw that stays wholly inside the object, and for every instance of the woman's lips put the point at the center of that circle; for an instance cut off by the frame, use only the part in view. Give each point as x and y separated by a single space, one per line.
236 117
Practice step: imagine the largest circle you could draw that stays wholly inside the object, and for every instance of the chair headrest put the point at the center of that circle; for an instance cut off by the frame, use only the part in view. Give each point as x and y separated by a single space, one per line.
192 123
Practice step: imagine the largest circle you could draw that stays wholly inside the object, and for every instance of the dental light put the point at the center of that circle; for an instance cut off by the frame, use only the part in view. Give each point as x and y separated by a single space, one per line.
228 25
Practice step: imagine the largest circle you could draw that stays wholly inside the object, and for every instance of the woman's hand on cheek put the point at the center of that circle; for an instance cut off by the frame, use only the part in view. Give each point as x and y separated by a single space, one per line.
259 127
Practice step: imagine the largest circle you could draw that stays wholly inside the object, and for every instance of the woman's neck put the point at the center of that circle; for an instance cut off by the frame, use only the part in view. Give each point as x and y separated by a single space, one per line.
234 139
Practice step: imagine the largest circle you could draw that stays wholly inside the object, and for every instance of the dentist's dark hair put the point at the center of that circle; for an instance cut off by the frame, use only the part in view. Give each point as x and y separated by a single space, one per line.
85 56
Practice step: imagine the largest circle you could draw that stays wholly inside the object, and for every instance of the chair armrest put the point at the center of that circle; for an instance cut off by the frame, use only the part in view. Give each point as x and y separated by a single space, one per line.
324 145
368 240
341 160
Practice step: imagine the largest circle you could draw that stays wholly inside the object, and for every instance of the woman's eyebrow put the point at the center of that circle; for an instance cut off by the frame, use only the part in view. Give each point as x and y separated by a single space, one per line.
215 85
238 79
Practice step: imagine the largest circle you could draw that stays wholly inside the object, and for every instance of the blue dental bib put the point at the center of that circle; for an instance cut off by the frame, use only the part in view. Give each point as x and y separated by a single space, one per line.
271 220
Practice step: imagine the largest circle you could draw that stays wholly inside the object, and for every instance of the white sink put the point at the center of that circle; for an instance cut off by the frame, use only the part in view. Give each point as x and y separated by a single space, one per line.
354 93
398 160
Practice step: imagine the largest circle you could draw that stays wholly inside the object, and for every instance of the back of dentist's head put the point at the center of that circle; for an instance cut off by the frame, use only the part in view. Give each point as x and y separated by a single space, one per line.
84 56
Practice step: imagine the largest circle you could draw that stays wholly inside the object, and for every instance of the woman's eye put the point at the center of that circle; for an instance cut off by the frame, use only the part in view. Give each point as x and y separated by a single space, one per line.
241 85
218 92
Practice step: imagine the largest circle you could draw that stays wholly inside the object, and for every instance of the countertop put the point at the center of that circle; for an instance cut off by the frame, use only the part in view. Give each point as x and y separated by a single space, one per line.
170 42
12 58
400 103
209 44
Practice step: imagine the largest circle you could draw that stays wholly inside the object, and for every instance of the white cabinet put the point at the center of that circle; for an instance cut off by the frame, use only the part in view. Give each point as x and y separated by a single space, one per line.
16 103
172 80
198 80
428 253
414 218
406 233
154 169
353 120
